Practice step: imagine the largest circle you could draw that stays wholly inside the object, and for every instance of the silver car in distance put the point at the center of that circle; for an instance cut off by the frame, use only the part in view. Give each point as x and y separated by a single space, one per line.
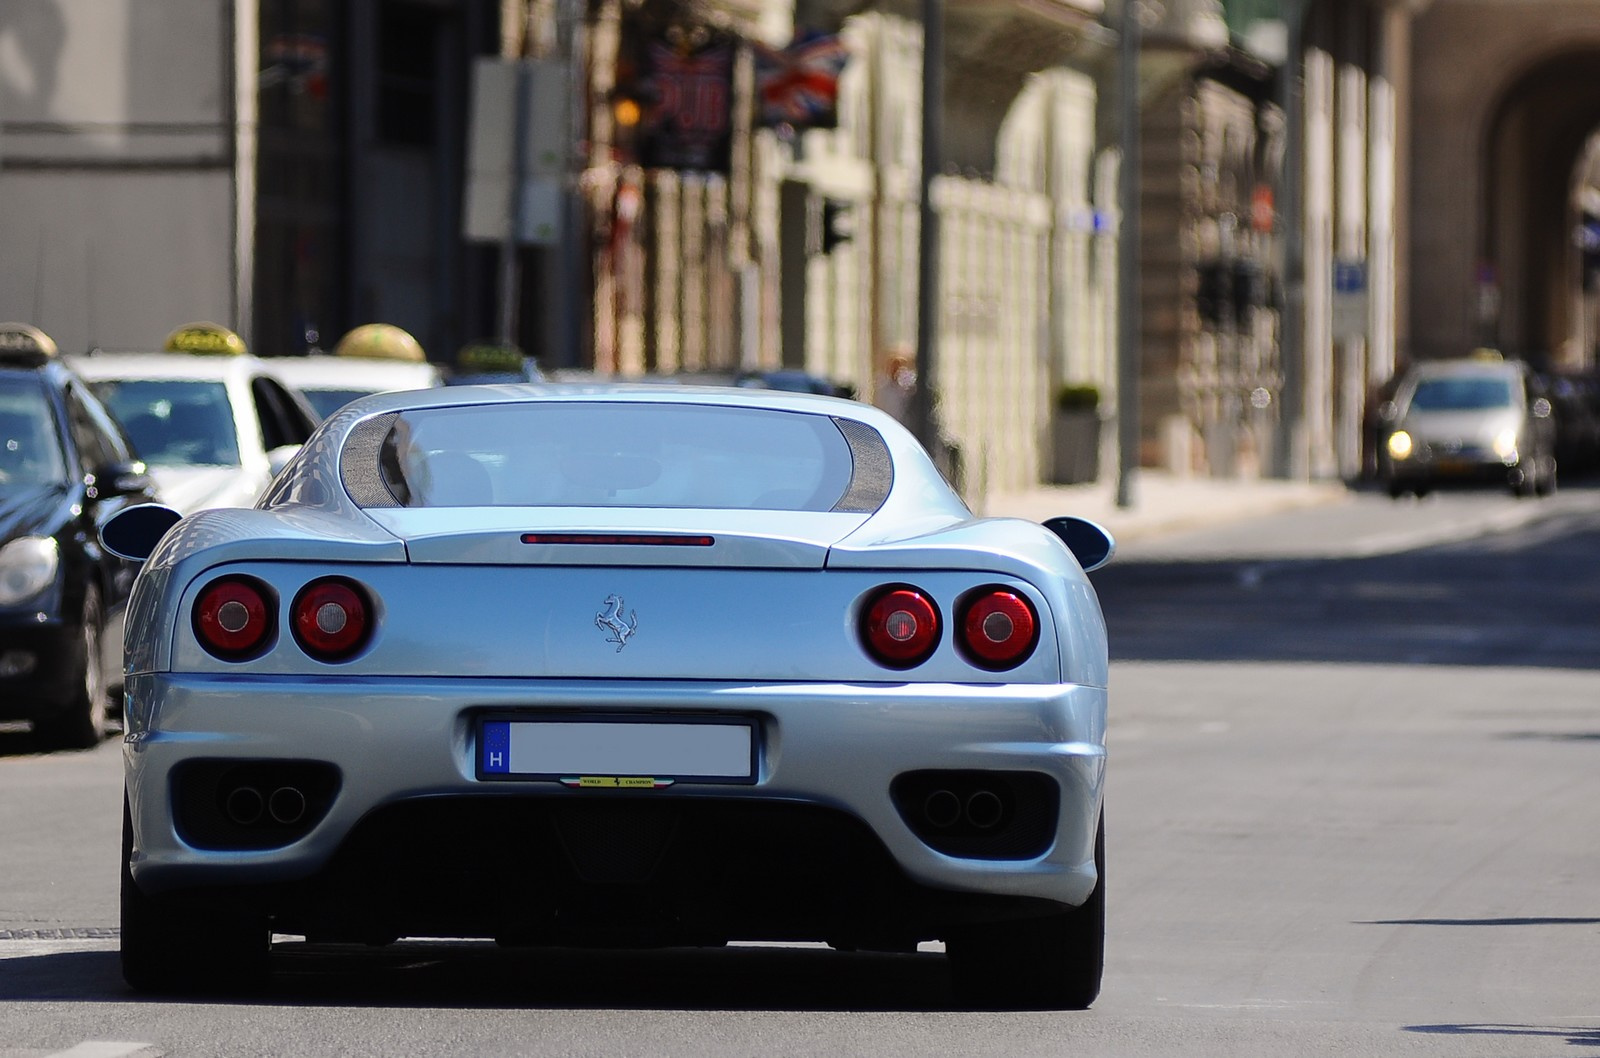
622 666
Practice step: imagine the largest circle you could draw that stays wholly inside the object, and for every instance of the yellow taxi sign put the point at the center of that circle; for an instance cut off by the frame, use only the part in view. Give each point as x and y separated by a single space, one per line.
210 339
490 358
1484 352
381 341
24 343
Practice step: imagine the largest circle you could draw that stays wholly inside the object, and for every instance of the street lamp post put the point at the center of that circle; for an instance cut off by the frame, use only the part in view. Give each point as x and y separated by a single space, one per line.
1290 456
1129 331
924 418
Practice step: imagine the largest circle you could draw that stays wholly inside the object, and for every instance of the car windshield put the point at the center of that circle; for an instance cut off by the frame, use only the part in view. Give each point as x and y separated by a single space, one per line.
175 422
327 401
30 446
1465 393
616 454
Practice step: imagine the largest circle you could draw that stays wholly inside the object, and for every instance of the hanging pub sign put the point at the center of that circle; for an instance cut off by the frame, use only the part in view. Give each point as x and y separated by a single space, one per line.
687 124
798 86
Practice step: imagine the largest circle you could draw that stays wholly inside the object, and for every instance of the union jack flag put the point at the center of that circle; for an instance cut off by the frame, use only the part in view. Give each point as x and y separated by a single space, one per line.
690 122
799 85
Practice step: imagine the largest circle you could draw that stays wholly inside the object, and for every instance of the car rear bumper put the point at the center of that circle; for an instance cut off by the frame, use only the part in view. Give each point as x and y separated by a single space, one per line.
391 772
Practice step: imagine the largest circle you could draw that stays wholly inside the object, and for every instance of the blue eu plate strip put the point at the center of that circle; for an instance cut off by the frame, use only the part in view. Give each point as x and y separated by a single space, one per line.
496 747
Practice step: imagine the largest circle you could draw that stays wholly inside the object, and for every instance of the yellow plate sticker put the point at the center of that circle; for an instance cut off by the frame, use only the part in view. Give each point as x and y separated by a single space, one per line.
616 782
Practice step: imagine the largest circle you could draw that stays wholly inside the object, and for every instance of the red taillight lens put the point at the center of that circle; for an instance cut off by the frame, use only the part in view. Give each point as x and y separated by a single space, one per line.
233 618
332 619
900 627
999 628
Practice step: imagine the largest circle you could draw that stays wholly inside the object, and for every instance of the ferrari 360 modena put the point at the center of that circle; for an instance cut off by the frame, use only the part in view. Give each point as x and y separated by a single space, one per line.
621 666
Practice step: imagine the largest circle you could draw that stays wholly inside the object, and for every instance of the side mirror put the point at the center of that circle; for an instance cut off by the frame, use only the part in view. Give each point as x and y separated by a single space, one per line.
121 479
134 533
1388 411
1091 544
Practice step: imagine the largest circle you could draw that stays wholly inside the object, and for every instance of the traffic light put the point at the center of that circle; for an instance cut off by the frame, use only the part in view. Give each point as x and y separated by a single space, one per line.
1213 296
837 224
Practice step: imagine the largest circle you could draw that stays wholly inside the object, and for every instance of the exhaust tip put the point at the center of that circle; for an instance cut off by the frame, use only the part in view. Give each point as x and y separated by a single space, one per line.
942 809
985 809
287 805
244 805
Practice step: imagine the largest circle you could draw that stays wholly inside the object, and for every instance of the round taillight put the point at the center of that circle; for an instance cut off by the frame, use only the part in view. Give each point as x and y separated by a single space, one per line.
233 618
332 618
999 628
900 627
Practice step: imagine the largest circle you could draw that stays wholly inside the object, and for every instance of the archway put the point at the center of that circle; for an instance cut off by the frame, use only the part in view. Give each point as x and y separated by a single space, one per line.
1531 301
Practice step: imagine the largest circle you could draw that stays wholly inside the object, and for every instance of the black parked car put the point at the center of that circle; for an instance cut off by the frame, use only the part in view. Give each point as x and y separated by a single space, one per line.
1576 396
65 467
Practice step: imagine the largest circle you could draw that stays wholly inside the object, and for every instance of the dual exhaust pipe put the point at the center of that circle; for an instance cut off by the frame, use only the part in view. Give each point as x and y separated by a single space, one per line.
981 810
247 806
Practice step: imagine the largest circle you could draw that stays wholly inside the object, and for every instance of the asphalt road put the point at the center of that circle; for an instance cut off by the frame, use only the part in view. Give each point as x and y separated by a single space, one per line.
1350 811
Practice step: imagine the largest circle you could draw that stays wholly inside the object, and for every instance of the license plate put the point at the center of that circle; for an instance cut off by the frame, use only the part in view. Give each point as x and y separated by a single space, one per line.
617 753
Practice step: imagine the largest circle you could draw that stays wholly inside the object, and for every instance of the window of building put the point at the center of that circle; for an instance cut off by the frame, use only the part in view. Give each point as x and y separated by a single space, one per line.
408 70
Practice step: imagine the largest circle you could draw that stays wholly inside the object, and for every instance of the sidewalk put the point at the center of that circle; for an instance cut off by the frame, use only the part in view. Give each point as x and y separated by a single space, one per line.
1164 503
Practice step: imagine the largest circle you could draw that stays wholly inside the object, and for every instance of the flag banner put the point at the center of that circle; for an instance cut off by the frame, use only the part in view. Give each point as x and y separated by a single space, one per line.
799 85
689 121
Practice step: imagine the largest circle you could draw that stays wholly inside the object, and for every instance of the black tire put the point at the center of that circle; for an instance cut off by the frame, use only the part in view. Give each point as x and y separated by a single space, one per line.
1053 963
81 722
183 946
1547 481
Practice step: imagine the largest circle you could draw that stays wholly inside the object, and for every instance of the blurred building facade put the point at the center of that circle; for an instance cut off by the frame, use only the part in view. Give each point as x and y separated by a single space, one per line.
800 248
1505 179
1272 154
1315 207
288 167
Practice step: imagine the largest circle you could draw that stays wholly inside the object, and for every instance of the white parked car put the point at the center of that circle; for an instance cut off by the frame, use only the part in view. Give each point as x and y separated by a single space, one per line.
372 358
214 426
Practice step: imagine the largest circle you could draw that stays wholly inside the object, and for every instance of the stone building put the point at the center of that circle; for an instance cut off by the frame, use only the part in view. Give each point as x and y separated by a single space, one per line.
290 168
1505 109
723 270
1270 236
1331 188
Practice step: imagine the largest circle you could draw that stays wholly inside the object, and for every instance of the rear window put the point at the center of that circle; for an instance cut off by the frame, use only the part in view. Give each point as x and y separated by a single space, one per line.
615 454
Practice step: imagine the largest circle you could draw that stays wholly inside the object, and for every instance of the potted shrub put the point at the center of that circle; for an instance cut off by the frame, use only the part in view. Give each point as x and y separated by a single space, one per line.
1075 430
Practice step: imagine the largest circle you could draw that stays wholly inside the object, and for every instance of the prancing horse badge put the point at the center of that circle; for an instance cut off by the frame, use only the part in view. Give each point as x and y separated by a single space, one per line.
610 619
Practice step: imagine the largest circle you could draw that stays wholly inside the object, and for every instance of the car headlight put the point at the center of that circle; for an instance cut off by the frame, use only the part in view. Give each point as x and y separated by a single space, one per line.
1505 444
27 567
1400 444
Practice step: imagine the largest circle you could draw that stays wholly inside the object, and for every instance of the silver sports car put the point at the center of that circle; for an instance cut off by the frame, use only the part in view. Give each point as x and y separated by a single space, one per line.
622 666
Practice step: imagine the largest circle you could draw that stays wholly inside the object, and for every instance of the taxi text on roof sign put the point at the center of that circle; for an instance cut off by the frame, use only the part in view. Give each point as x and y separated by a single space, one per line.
208 338
489 357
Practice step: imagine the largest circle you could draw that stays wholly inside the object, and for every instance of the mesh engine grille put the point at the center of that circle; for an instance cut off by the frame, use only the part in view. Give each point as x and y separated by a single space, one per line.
873 471
358 463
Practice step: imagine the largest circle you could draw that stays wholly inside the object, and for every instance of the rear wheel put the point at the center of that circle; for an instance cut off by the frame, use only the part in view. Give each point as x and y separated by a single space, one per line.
81 724
1051 963
180 946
